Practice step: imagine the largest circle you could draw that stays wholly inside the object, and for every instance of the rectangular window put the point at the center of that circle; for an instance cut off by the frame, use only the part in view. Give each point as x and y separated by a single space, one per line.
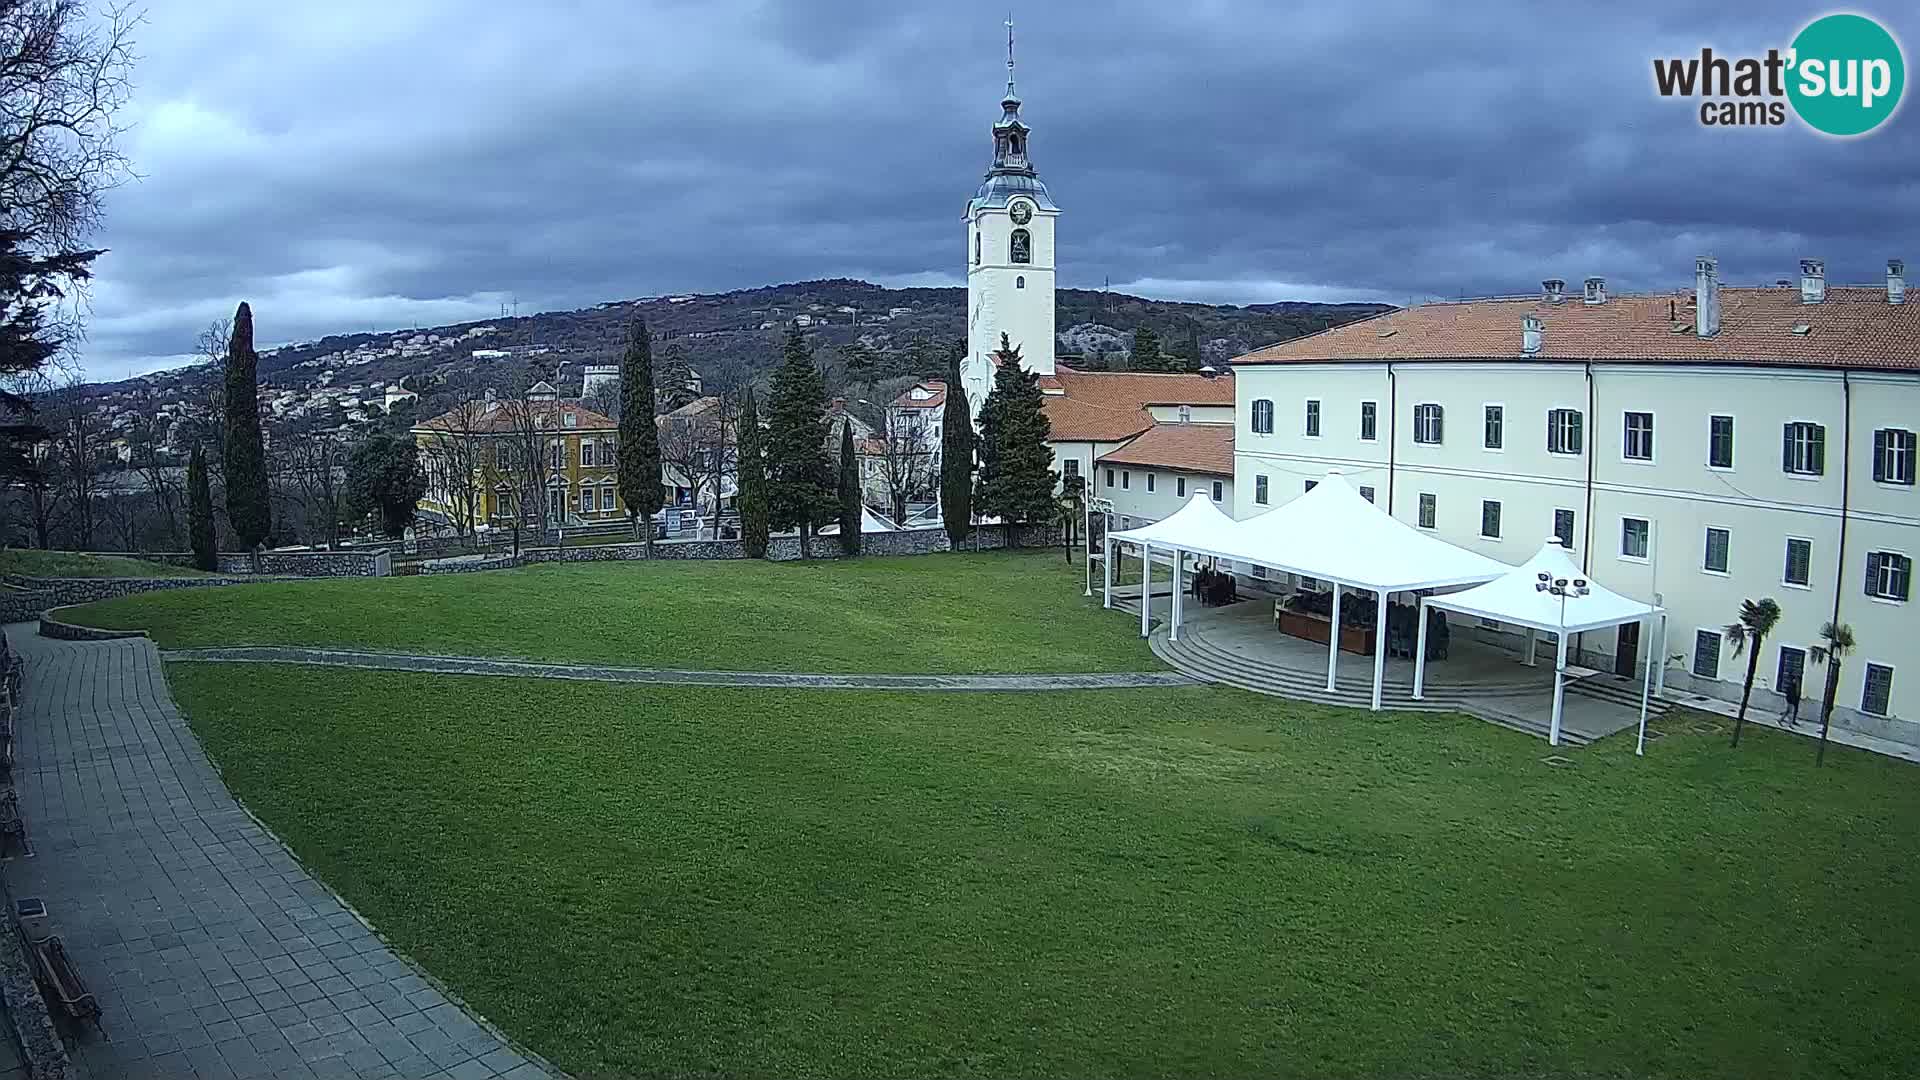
1429 510
1366 492
1262 417
1706 654
1109 477
1893 450
606 498
1219 490
1718 541
1565 431
1877 694
1799 562
1803 449
1180 487
1149 481
1256 570
1889 575
1563 528
1126 479
1313 419
1427 422
1489 519
1791 670
1260 490
1070 468
586 455
1496 435
1720 442
1633 537
586 500
1636 438
1311 484
1369 421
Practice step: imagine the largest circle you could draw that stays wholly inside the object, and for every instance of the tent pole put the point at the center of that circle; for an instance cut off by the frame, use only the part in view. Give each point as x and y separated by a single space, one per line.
1173 626
1106 572
1379 646
1333 638
1533 639
1146 587
1646 688
1420 656
1559 689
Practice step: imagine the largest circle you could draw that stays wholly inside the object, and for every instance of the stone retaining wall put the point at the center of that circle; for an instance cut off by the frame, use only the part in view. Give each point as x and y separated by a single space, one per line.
377 563
64 592
53 627
779 549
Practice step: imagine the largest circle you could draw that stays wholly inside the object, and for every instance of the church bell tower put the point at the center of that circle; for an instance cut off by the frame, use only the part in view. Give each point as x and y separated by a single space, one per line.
1009 225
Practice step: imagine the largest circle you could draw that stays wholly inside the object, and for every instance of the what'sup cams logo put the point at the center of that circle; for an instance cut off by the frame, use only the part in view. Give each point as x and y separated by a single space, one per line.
1843 76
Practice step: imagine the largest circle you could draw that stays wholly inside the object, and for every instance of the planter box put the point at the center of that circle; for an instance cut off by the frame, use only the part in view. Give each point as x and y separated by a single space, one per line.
1314 628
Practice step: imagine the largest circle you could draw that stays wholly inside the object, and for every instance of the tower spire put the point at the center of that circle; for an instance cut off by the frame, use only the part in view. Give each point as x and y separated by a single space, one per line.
1010 54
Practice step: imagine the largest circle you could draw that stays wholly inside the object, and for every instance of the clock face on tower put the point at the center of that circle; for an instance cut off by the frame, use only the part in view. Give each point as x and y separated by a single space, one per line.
1022 211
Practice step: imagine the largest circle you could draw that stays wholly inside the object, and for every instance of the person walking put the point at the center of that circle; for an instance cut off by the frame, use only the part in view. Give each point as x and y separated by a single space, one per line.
1790 689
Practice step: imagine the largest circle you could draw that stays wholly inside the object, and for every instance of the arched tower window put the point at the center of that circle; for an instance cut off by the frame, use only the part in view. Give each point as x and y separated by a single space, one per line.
976 246
1022 246
1020 282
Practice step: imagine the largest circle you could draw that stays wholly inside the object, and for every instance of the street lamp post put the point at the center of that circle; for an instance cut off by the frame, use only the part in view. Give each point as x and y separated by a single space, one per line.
1562 588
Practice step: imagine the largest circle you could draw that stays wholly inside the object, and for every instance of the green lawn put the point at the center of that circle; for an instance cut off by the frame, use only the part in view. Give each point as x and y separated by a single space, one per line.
655 881
992 612
32 562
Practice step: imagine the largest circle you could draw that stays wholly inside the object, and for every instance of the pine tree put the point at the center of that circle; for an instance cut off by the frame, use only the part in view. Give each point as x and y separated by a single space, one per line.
640 486
752 469
1147 355
1017 480
850 501
200 512
956 457
248 509
800 487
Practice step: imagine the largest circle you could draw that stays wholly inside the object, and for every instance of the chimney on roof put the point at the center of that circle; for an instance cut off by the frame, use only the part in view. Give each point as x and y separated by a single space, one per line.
1556 290
1706 296
1533 333
1596 290
1896 281
1813 280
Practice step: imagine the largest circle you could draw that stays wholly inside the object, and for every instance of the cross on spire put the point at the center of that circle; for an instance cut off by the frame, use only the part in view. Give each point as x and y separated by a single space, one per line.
1009 54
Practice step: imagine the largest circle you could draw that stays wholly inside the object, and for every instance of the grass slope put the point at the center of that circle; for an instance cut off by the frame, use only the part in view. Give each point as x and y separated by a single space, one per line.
35 563
651 881
993 612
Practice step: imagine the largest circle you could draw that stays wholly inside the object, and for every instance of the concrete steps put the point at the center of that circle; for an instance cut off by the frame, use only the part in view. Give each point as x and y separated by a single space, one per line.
1506 705
1618 691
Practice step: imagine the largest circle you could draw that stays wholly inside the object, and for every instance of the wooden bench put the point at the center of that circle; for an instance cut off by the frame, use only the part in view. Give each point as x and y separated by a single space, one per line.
61 982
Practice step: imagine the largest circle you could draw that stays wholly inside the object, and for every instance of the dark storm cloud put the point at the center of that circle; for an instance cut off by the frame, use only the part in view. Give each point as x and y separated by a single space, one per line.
360 165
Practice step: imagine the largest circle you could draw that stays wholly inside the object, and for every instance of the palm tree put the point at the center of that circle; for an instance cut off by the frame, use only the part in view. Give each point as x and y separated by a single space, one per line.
1756 621
1838 638
1069 507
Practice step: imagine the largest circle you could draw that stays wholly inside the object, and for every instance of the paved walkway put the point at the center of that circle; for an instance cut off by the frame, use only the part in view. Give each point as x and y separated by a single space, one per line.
212 952
468 665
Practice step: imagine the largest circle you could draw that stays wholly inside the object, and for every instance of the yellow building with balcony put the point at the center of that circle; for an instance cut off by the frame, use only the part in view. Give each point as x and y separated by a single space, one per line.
483 458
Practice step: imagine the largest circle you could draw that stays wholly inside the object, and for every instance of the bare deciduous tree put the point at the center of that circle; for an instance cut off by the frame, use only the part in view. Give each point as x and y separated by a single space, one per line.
697 450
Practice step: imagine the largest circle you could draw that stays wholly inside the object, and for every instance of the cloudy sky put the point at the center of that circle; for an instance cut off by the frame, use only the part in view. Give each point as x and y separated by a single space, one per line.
351 165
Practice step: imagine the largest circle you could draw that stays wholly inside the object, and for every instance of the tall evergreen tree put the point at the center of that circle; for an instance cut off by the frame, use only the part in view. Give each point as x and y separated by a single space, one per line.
850 501
1146 351
200 512
248 508
752 467
1017 480
640 486
956 457
800 487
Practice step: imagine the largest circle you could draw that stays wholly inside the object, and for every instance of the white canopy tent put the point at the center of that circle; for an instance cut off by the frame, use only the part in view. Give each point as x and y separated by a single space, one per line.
1547 592
1330 533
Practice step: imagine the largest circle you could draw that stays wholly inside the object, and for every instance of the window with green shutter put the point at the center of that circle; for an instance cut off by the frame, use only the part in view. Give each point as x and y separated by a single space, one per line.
1877 695
1803 449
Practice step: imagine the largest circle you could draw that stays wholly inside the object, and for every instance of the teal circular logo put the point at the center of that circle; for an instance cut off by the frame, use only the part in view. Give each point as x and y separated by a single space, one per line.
1847 74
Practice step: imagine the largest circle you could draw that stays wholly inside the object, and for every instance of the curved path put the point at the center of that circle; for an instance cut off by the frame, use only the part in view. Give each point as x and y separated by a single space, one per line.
211 949
470 665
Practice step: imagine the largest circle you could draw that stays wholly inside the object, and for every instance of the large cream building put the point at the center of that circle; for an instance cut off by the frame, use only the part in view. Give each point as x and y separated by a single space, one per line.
1704 447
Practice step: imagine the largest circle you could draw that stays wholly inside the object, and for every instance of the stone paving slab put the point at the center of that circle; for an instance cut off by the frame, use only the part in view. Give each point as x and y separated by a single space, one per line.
470 665
212 951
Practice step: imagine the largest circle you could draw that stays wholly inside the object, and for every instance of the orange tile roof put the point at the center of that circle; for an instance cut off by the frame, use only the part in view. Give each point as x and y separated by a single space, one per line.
1201 448
500 420
1853 327
937 400
1108 406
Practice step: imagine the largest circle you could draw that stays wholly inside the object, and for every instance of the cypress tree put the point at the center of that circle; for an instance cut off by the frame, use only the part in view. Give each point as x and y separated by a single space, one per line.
956 457
248 509
1146 352
200 512
1017 480
639 476
752 469
800 487
850 501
